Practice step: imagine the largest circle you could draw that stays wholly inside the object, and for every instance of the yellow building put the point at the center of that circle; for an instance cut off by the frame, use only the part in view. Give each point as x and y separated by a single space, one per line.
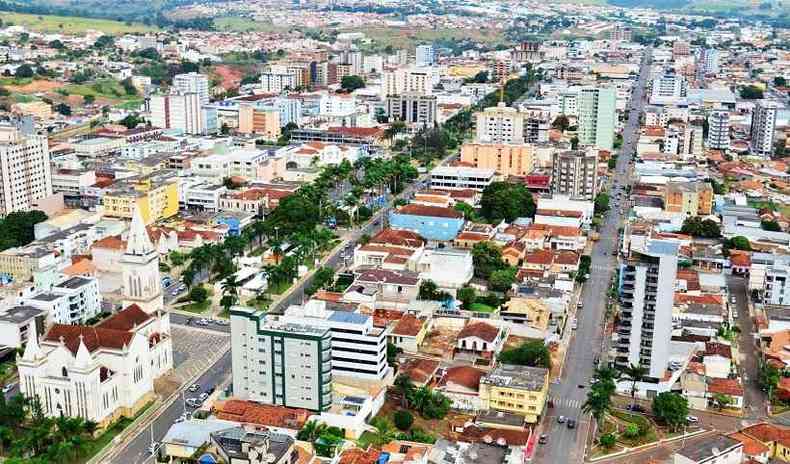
156 195
690 198
516 389
263 121
532 312
505 159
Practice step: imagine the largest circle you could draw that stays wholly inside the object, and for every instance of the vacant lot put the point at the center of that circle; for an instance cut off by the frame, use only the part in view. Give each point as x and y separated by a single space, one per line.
408 37
71 24
237 24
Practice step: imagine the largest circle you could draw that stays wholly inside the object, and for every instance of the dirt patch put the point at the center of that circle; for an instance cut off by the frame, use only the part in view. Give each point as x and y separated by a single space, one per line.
230 78
36 86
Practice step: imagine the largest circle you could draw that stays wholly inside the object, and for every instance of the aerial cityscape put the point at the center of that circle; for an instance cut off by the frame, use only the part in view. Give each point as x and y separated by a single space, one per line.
394 232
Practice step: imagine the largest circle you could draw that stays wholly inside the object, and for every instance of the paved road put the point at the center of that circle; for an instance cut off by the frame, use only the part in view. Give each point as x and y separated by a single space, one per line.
136 450
754 399
566 445
182 319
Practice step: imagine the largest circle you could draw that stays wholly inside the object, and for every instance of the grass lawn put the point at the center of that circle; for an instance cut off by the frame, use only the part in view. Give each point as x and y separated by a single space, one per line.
107 88
367 439
133 104
197 307
72 24
107 437
640 421
481 308
406 37
238 24
15 80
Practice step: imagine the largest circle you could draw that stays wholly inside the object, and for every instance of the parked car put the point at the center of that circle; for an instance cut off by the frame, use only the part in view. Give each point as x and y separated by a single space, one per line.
153 448
8 388
543 439
635 408
203 396
194 402
692 419
194 387
561 420
571 424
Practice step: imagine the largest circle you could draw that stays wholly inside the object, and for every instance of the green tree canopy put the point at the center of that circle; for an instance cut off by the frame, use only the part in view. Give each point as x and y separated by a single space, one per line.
696 227
17 228
487 258
671 408
751 92
532 353
403 419
352 83
505 201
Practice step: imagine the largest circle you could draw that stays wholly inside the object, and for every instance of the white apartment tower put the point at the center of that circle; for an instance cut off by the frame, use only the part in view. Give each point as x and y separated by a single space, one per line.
597 117
178 111
25 172
500 124
141 281
647 289
718 130
280 363
425 55
763 128
278 78
192 83
668 88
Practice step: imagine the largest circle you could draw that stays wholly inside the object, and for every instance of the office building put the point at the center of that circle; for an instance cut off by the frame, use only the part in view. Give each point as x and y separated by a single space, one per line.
597 117
575 174
280 362
668 88
500 124
142 285
193 83
763 128
425 55
718 130
15 324
25 172
461 178
647 289
278 78
526 52
264 121
506 159
412 108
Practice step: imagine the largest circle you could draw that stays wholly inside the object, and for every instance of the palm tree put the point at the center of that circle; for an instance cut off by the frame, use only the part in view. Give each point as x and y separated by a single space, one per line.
310 431
598 403
634 374
230 291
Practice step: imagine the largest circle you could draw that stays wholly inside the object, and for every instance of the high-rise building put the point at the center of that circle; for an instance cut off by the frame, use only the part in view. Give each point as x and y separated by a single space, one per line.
181 111
500 124
620 32
707 62
526 52
278 78
719 130
351 60
668 88
763 127
279 362
647 289
261 120
142 284
25 172
412 108
597 117
417 80
192 83
425 55
575 174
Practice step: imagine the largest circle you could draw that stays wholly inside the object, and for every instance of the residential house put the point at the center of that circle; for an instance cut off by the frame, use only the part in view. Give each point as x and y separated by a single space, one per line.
480 338
716 449
462 384
408 333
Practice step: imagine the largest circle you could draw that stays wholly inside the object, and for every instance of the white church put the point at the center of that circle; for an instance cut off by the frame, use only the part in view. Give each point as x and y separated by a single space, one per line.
105 371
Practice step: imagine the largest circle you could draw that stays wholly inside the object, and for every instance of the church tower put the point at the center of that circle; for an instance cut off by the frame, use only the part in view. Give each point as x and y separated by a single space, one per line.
141 282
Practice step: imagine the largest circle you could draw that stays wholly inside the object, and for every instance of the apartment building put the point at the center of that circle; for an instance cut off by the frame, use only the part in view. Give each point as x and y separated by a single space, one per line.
647 289
425 55
500 124
25 172
23 262
689 198
668 88
515 389
73 301
506 159
597 117
279 362
718 130
259 120
182 111
278 78
417 80
155 195
575 174
412 108
193 83
777 285
70 182
763 128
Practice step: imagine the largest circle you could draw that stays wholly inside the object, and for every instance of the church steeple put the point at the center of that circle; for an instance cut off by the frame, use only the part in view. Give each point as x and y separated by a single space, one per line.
138 243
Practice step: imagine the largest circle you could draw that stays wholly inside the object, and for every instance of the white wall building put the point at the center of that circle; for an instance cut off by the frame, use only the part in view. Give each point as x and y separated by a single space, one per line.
99 373
718 130
461 177
278 78
25 172
73 301
425 55
763 128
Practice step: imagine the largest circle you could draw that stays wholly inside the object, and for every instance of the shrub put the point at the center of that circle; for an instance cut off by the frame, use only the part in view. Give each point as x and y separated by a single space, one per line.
607 441
403 419
631 431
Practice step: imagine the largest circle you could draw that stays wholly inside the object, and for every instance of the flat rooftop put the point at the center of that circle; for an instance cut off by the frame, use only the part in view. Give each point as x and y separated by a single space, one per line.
74 283
512 376
20 314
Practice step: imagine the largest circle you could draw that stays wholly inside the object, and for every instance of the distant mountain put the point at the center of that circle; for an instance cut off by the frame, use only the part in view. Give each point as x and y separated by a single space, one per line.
663 5
116 9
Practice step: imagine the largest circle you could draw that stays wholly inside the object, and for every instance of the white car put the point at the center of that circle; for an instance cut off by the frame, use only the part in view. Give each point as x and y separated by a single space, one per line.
153 448
194 387
8 388
692 419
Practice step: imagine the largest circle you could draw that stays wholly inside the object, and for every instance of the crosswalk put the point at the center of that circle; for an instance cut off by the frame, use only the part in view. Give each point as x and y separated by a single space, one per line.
567 403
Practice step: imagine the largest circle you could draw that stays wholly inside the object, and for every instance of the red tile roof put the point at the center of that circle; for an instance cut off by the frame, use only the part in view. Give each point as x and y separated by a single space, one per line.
409 325
466 376
358 456
402 238
731 387
249 412
114 242
93 338
480 330
431 211
419 370
751 447
712 348
127 319
768 433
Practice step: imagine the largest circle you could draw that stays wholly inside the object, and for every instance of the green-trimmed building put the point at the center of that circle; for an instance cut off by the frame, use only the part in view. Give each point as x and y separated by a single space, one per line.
280 363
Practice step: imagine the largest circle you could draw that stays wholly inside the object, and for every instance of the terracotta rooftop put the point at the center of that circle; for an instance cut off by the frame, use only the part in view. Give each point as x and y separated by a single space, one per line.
359 456
767 433
751 447
409 325
93 338
389 276
401 238
114 242
481 330
430 211
128 319
419 370
713 348
466 376
731 387
249 412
